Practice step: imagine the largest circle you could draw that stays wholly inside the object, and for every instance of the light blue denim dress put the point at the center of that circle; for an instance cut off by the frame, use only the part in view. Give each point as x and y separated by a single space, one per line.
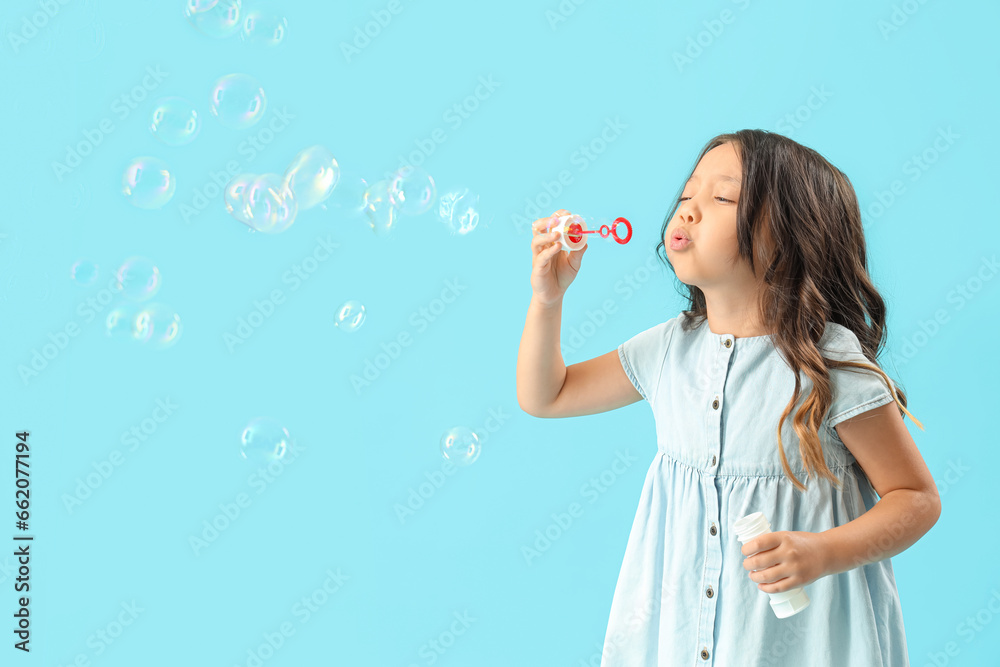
683 597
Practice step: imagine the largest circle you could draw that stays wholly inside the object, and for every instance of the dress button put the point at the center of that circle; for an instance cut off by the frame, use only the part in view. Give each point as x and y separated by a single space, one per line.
713 460
713 530
729 343
709 592
704 654
715 404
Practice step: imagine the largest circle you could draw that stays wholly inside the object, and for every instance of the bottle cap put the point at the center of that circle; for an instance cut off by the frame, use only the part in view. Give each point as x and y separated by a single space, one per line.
789 603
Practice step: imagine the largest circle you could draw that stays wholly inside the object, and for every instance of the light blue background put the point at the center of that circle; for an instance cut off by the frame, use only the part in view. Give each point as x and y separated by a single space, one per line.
887 96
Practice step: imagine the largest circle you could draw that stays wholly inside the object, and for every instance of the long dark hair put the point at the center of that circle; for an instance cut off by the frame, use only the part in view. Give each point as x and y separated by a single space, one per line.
798 216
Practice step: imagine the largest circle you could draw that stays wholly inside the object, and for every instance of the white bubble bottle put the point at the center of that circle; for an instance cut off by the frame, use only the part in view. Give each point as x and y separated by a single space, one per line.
573 230
784 604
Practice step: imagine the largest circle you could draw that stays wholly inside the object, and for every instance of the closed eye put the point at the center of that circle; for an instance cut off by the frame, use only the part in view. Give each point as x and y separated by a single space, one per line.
722 198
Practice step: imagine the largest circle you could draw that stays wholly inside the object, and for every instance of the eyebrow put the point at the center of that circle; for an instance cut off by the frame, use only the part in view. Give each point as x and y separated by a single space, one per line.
721 177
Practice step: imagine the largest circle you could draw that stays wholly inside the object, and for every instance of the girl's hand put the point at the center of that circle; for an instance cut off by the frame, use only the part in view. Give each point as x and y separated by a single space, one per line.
552 269
786 560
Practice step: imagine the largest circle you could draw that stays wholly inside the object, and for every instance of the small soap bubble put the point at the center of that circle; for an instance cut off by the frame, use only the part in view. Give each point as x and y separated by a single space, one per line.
84 272
379 209
412 190
264 441
269 204
215 18
460 445
147 183
350 316
120 322
238 101
264 25
138 278
175 121
312 176
459 210
157 325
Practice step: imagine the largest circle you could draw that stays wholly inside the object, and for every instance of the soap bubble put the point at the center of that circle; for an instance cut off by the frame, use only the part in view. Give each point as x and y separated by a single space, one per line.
175 121
264 441
147 183
350 316
460 445
84 272
264 25
238 101
412 190
459 210
269 204
138 278
379 209
215 18
157 325
312 176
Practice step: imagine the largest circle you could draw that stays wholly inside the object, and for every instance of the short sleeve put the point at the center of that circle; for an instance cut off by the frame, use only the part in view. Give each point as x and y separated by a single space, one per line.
642 357
854 390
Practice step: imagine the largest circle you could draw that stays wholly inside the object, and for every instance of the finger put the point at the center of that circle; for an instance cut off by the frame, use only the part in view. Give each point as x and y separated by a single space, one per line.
542 241
543 223
548 254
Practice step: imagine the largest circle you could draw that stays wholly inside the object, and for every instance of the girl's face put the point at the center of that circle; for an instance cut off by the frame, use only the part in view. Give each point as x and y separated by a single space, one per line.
707 213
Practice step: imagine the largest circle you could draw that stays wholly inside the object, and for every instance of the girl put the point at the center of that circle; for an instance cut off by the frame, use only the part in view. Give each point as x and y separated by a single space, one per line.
766 237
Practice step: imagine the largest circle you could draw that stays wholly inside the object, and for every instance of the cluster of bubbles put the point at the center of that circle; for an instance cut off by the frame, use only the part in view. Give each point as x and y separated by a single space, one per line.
270 202
258 23
136 319
236 100
411 191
